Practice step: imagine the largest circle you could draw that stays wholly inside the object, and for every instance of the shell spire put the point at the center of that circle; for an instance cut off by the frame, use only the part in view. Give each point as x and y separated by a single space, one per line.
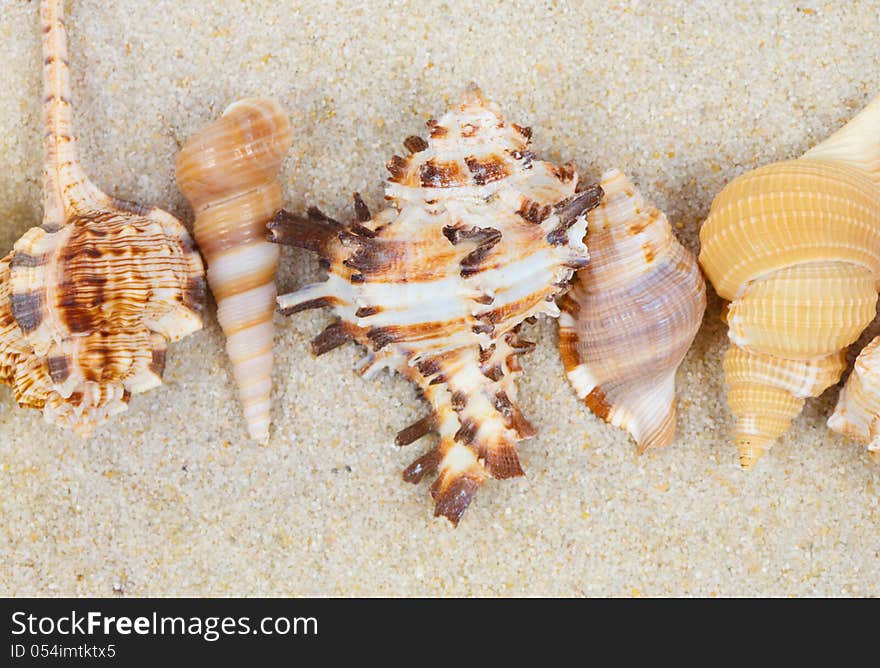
90 299
795 248
479 237
631 315
228 172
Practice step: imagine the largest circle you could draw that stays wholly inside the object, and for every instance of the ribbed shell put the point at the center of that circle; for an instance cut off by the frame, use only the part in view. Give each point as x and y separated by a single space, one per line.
795 247
228 172
631 315
857 414
89 300
479 237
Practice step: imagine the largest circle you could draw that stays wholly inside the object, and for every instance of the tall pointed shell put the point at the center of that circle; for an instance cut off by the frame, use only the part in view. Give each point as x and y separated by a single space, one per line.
795 247
857 414
228 172
631 315
89 300
479 237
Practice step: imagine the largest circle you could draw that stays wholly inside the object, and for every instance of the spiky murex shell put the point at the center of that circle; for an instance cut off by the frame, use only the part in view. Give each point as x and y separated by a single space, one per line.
479 237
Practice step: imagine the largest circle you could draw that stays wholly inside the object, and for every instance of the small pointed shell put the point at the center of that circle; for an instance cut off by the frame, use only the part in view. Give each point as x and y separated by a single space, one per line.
766 392
857 414
631 315
228 172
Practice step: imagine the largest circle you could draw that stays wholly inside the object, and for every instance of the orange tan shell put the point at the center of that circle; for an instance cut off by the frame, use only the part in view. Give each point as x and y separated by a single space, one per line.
89 300
795 248
228 172
857 414
479 236
631 315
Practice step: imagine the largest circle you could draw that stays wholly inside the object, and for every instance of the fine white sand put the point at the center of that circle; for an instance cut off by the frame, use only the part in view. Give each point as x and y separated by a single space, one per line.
173 499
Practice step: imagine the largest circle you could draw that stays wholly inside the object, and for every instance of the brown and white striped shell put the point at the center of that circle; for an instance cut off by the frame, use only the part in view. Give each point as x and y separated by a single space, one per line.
631 315
90 299
479 237
228 172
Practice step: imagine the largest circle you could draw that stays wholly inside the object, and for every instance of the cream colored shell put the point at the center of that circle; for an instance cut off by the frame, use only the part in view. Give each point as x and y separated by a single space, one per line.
631 314
89 300
857 414
228 172
795 247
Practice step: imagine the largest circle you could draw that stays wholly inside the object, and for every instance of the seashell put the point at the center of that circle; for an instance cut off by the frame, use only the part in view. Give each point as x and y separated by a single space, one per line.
228 173
479 237
795 247
89 300
631 315
857 414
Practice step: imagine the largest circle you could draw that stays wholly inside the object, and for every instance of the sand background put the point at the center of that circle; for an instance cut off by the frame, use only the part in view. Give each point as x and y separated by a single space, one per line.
173 499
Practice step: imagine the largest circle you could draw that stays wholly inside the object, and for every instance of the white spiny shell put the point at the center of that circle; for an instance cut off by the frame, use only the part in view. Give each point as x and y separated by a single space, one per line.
631 315
857 414
795 247
228 172
479 237
89 300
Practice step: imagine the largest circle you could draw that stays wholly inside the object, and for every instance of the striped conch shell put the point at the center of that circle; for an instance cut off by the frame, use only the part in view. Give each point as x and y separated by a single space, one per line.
228 172
857 414
795 248
631 315
89 300
479 237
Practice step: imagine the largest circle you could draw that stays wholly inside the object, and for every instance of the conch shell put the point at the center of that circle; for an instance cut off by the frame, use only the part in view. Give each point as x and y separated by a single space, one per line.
479 237
631 315
857 414
228 173
89 300
795 248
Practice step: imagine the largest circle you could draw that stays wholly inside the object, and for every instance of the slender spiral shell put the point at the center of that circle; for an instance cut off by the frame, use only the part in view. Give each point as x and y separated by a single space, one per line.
631 315
795 247
228 172
89 300
857 414
479 236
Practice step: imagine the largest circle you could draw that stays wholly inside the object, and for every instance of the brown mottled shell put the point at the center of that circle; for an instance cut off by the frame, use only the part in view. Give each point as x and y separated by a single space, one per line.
228 172
631 315
89 300
479 237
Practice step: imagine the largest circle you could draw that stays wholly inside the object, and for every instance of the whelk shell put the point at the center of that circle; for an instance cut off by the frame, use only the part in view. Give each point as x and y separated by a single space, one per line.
631 315
795 247
479 237
89 300
228 172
